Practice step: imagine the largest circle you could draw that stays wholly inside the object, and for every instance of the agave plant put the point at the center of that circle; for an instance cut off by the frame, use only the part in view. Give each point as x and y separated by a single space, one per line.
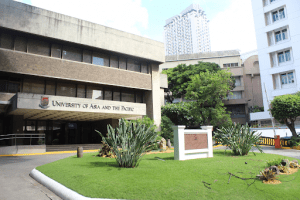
129 141
240 139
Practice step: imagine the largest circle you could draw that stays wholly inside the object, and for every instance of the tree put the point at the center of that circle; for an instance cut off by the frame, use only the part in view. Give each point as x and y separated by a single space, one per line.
207 90
167 129
180 77
180 113
286 109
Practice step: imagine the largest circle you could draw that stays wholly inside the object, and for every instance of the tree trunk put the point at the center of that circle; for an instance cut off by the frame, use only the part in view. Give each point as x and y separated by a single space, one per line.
291 126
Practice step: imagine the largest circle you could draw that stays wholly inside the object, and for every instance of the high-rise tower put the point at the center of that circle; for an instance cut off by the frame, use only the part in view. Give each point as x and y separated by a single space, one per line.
187 33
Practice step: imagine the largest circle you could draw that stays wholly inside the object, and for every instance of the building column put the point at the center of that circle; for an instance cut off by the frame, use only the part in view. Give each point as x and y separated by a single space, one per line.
152 98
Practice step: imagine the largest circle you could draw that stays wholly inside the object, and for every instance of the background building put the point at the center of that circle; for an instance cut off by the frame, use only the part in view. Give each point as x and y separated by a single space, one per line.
247 94
187 33
65 77
278 41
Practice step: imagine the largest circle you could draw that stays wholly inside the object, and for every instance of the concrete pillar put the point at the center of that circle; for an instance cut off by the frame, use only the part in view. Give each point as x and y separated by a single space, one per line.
179 142
152 98
209 139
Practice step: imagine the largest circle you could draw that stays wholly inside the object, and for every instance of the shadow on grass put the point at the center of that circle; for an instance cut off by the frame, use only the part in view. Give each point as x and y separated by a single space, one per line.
159 158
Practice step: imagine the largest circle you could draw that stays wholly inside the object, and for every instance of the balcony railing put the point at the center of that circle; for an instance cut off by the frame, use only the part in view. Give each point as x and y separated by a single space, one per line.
22 139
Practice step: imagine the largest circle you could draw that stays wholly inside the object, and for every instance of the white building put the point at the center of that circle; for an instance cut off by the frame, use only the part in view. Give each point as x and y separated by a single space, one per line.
278 41
187 33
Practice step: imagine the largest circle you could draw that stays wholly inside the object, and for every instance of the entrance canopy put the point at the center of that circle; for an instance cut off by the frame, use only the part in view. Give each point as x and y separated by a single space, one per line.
48 107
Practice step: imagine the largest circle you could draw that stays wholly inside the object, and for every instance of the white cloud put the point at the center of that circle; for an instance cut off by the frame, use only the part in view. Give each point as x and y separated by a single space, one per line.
125 15
234 28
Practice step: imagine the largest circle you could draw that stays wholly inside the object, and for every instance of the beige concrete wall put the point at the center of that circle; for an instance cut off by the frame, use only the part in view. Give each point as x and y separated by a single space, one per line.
153 98
252 82
6 96
25 63
26 18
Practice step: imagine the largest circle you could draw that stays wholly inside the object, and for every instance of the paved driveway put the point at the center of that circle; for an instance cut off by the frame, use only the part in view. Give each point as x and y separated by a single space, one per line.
15 182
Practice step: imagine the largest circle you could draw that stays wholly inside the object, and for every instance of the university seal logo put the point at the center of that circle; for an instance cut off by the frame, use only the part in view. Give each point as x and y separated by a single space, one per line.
44 102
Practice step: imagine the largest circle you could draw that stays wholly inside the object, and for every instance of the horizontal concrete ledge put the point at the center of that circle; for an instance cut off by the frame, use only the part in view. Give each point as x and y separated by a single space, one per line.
60 190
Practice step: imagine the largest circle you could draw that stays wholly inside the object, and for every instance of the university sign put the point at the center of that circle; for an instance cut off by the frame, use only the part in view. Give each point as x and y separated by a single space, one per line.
59 103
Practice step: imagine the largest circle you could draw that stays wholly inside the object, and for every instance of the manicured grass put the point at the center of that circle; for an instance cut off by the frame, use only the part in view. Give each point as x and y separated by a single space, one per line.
92 176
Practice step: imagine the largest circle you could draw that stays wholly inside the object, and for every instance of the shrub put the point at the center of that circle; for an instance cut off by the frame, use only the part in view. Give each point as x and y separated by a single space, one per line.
294 141
129 142
166 129
275 162
238 138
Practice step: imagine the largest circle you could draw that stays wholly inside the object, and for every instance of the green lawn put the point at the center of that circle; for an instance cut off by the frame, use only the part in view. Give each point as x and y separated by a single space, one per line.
92 176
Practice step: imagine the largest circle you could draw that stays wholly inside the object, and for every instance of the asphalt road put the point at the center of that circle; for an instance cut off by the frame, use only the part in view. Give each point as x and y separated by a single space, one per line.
15 182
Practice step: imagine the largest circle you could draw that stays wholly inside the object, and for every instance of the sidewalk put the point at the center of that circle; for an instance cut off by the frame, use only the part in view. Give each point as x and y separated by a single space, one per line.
271 150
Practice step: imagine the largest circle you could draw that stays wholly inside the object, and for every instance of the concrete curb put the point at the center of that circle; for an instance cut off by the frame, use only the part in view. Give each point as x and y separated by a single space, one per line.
57 188
50 153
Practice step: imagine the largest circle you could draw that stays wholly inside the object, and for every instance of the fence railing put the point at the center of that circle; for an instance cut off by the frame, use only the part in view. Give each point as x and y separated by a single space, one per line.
269 141
22 139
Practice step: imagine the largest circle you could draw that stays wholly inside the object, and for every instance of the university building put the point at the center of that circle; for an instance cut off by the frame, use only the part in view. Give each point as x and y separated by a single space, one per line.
246 97
65 77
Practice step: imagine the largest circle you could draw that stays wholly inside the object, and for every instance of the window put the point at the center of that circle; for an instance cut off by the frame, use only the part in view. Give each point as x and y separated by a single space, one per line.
38 47
230 65
71 53
281 35
100 59
235 95
238 81
66 89
133 65
34 86
6 41
278 15
284 56
287 78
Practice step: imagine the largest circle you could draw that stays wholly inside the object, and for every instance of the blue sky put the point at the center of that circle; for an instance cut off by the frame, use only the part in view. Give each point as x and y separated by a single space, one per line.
231 21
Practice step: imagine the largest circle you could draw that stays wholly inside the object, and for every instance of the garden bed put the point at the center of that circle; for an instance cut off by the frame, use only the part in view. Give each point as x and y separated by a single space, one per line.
159 176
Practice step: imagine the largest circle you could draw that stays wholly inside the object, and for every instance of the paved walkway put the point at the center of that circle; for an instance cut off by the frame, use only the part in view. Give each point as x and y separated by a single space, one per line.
15 182
271 149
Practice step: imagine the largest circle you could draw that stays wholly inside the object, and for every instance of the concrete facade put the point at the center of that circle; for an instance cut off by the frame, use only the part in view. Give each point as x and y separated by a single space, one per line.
52 66
247 93
278 41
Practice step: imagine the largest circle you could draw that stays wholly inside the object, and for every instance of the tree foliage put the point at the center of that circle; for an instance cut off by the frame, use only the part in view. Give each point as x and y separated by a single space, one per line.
286 109
180 113
167 129
207 90
180 77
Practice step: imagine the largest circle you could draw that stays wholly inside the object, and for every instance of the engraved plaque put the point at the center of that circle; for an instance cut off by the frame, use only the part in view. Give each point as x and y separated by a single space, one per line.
195 141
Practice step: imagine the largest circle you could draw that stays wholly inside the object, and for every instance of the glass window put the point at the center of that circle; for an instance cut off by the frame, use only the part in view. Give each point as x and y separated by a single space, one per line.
3 86
21 44
122 63
281 57
107 94
93 92
13 87
291 77
81 91
56 50
133 65
128 96
6 41
33 86
50 88
100 59
116 95
284 34
87 56
38 47
281 14
114 61
66 89
284 79
275 16
287 56
278 36
235 95
144 68
139 97
97 94
238 81
71 53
